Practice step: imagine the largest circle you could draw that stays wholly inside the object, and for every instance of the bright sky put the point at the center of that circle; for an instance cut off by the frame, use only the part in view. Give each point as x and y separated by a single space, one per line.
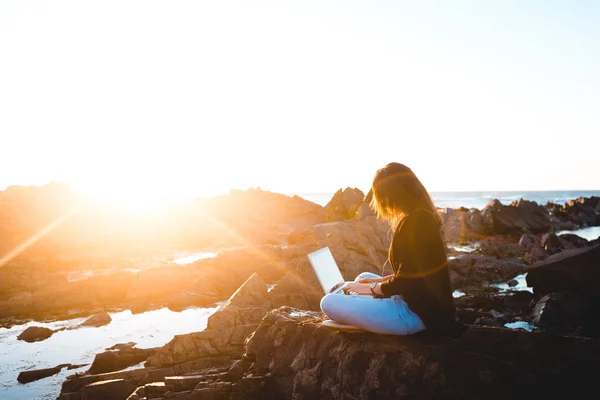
197 97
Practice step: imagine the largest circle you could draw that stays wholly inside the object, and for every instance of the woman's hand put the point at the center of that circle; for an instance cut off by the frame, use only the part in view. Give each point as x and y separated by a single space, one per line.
369 280
358 288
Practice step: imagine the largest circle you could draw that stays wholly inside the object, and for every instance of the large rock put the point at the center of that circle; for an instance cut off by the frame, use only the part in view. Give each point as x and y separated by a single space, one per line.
344 204
109 361
575 270
35 334
462 225
252 293
474 270
272 218
292 291
364 209
582 211
72 386
307 361
116 389
226 329
357 245
567 312
519 217
97 320
34 375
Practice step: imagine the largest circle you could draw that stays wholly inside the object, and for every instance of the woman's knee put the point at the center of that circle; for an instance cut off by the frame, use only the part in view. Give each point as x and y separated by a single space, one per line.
327 303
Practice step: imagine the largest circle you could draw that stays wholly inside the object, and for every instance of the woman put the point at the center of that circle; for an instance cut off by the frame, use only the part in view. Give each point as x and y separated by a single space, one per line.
417 296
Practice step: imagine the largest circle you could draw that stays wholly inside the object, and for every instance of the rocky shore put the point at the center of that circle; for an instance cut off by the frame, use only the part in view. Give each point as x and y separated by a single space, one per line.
266 341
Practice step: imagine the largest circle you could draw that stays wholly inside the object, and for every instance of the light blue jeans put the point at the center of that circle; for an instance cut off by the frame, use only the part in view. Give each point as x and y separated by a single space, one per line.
389 316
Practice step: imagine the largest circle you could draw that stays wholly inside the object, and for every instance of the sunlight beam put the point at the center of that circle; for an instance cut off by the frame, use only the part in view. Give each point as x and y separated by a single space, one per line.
22 247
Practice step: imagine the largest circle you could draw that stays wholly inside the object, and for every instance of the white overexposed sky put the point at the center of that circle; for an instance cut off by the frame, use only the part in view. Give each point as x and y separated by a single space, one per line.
193 98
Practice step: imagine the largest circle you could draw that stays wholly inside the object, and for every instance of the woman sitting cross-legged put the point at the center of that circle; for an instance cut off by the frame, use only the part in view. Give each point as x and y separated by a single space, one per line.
417 296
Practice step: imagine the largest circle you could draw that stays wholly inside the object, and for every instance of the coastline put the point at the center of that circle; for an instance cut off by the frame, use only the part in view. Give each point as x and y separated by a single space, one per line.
278 249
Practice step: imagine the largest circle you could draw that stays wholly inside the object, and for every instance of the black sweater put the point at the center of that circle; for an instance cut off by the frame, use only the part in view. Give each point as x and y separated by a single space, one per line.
418 257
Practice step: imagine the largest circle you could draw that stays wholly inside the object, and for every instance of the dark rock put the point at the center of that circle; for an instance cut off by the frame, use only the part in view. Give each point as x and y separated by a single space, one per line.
519 217
570 270
536 255
519 302
110 361
501 246
583 211
238 370
566 312
487 322
344 204
307 361
513 283
35 375
116 389
76 366
551 243
527 241
35 334
97 320
292 291
467 270
74 383
571 241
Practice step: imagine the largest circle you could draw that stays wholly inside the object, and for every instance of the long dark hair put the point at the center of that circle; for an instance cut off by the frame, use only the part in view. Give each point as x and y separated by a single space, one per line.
397 192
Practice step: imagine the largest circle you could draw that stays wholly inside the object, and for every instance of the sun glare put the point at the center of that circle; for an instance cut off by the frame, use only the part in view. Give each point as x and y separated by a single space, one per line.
133 197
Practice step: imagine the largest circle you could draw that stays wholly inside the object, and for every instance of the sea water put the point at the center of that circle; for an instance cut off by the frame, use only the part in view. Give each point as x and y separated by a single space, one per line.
79 346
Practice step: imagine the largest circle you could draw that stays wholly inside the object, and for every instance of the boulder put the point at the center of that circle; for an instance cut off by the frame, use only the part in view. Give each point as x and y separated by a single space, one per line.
535 255
115 389
474 270
357 245
462 225
293 292
226 329
97 320
344 204
35 334
583 211
35 375
502 246
571 241
365 210
527 241
252 293
307 361
575 270
519 217
566 312
551 243
116 360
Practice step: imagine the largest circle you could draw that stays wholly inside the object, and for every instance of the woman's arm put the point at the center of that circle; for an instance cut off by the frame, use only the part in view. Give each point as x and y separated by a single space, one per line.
378 280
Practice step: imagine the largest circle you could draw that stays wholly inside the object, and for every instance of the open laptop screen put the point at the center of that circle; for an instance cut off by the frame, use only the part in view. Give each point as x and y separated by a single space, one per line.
325 268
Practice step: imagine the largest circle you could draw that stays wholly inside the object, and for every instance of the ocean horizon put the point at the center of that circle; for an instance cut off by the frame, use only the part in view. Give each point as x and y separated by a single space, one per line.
479 199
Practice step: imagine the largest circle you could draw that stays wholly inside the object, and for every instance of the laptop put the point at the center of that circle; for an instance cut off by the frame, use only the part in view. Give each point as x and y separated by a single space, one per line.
328 272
